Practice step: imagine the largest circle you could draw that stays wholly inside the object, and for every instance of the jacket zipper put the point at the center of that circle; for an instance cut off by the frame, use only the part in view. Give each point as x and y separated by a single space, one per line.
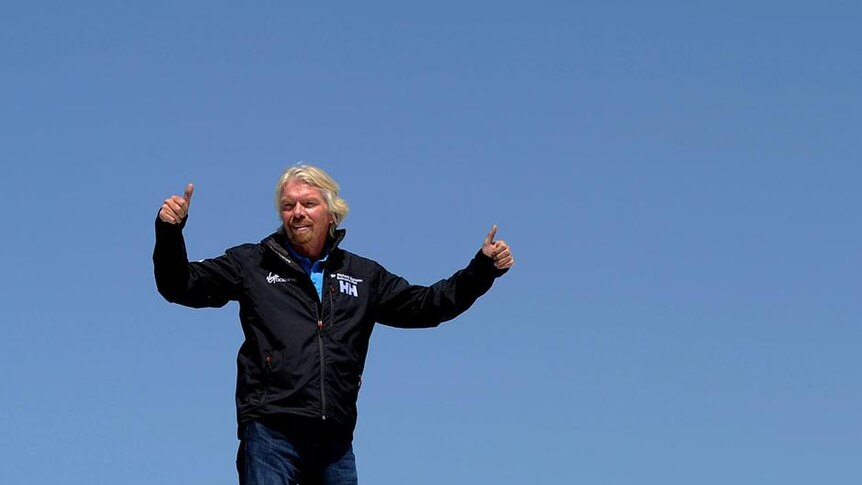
320 327
319 340
322 368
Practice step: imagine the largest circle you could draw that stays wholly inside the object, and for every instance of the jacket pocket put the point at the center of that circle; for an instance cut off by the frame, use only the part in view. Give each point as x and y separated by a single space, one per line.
268 366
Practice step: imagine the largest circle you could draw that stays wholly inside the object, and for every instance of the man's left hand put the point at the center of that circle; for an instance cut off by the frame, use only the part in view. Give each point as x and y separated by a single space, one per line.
497 250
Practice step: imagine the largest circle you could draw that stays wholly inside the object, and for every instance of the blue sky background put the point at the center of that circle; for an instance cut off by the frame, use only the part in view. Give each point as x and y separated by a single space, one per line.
679 182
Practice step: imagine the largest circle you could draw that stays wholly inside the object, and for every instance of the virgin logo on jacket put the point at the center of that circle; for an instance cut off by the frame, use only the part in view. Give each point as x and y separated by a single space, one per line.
273 278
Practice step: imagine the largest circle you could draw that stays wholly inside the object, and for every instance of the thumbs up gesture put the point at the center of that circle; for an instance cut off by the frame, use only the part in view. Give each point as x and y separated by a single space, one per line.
497 250
176 208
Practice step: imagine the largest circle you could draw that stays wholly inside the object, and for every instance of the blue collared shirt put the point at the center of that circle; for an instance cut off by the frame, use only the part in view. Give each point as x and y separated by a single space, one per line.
314 269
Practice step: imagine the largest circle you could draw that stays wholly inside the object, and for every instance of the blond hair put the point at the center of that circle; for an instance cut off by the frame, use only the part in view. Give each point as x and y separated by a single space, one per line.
316 177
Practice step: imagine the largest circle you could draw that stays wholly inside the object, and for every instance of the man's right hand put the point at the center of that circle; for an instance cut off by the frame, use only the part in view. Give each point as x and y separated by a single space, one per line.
176 208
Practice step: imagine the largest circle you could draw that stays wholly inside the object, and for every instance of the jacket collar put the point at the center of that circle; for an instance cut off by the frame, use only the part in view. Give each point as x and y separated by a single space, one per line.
276 242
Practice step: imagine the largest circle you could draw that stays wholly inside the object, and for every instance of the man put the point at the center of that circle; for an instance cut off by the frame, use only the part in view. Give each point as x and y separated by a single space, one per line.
307 309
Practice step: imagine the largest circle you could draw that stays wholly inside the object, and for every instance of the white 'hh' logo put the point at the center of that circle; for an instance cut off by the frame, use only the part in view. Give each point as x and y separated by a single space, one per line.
347 284
347 288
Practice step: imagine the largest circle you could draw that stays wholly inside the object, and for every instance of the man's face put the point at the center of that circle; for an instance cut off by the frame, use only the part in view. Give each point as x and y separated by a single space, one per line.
306 217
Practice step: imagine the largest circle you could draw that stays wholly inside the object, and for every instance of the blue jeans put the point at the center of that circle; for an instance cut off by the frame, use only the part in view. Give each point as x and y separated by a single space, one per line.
296 453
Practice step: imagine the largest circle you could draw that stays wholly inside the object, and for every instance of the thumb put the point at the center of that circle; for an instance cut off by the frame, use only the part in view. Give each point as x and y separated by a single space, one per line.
190 189
489 239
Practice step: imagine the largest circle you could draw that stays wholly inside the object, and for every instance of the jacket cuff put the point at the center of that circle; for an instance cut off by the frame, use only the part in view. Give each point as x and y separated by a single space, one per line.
486 265
166 228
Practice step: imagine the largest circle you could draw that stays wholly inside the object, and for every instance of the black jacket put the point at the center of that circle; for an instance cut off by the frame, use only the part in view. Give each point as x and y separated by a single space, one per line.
303 357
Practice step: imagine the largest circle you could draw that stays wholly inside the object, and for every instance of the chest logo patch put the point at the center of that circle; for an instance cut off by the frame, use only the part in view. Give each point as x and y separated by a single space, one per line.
348 284
273 278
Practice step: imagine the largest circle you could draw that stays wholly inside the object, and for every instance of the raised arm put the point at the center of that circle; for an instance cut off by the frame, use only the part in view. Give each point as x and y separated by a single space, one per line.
207 283
401 304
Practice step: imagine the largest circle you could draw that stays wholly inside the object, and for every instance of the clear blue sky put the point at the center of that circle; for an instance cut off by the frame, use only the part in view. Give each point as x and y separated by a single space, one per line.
679 182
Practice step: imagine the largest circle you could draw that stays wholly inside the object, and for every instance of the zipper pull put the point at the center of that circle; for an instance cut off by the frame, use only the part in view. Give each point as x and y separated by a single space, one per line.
320 325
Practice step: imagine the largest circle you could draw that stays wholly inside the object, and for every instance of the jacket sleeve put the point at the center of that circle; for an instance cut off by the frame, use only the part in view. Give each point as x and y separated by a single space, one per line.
403 305
208 283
